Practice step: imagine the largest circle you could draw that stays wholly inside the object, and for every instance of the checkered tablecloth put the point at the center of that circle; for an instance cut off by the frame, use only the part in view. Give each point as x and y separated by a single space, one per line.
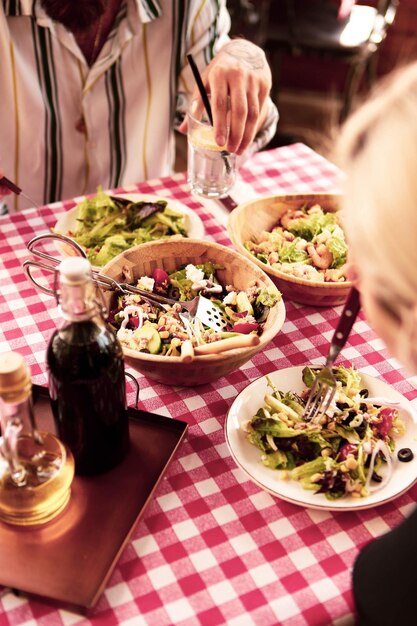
212 548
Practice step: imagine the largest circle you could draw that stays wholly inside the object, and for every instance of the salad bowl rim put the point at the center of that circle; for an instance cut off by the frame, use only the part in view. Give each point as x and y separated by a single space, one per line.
233 220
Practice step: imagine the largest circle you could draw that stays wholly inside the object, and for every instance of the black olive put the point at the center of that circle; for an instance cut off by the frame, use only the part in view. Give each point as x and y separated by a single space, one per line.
285 443
364 393
405 455
361 429
173 292
349 417
376 477
342 405
363 407
261 312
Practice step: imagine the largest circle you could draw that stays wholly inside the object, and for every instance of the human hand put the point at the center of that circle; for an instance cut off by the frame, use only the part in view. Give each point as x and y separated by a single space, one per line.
239 72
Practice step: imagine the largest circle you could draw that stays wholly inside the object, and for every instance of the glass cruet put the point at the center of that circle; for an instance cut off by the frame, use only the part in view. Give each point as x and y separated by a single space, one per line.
36 469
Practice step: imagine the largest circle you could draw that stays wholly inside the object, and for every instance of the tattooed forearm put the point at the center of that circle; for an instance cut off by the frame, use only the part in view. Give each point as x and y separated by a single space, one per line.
245 51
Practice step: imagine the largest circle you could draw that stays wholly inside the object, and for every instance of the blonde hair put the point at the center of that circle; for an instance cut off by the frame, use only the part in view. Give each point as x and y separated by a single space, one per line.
377 150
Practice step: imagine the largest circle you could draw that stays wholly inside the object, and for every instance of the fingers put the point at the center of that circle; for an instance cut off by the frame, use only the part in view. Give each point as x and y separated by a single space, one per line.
238 80
235 116
220 109
240 76
249 126
235 110
183 127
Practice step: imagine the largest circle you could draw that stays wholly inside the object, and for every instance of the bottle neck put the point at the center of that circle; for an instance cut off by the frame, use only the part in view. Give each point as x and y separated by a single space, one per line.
79 301
15 394
19 413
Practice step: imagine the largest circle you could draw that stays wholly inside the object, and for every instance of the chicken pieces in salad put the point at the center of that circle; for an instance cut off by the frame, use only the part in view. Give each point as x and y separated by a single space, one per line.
307 243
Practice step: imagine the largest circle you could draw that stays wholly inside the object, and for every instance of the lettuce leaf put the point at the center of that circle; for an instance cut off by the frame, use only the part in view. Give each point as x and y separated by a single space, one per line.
267 297
338 248
308 227
290 254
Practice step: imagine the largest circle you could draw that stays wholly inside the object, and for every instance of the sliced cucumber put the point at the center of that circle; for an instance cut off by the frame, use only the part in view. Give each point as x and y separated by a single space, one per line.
149 332
243 304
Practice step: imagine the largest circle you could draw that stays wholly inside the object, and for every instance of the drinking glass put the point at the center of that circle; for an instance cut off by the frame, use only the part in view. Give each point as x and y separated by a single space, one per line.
211 168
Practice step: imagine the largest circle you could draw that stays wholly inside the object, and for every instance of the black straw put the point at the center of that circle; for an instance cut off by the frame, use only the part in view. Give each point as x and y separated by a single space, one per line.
201 88
207 106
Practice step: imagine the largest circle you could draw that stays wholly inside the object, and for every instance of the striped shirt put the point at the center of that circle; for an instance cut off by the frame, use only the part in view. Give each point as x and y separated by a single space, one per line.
66 127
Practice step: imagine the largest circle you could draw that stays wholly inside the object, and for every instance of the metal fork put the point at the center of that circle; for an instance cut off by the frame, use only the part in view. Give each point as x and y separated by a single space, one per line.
323 390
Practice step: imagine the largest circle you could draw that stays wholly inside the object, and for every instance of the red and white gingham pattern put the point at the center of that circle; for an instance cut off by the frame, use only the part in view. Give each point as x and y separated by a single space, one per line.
212 548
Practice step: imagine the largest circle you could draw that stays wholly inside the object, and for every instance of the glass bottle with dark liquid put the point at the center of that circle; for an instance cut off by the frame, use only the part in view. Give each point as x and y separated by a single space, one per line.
86 376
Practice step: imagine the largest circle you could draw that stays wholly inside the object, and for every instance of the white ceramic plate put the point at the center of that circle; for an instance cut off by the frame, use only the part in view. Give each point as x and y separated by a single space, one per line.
194 226
248 456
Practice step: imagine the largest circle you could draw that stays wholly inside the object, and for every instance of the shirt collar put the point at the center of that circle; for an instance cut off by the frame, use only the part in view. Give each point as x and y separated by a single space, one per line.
148 10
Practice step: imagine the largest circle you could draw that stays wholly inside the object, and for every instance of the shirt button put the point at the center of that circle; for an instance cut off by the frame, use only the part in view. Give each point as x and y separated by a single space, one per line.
80 126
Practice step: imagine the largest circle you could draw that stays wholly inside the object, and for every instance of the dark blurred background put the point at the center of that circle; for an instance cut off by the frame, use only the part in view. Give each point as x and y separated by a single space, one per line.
312 51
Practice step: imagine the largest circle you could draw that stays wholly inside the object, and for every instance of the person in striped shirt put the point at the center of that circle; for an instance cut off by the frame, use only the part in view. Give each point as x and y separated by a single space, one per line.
92 91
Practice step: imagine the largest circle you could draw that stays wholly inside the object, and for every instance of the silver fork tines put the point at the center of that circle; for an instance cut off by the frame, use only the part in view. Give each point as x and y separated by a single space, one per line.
321 395
324 387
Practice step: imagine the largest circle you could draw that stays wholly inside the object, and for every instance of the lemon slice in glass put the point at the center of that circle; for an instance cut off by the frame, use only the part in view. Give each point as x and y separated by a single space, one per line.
203 137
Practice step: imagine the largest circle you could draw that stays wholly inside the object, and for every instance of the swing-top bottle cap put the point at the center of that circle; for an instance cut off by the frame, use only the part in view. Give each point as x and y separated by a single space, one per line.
74 270
15 378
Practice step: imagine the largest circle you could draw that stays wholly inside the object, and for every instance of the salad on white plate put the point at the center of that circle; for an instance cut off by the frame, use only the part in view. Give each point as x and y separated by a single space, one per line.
105 225
359 454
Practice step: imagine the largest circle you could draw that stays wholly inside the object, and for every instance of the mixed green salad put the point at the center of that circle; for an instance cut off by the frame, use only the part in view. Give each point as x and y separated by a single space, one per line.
108 225
341 454
146 327
307 243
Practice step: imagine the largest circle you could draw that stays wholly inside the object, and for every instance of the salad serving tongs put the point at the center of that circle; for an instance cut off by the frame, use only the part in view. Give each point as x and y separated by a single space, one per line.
199 307
324 388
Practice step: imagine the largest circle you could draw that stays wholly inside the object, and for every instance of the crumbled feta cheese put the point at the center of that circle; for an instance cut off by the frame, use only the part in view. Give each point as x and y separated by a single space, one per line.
214 289
147 283
196 276
124 335
230 298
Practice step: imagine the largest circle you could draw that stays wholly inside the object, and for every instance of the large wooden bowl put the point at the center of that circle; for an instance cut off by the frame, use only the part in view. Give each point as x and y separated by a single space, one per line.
169 255
251 218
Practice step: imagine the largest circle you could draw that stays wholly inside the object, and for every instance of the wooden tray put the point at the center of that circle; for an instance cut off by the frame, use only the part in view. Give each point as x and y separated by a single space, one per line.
71 558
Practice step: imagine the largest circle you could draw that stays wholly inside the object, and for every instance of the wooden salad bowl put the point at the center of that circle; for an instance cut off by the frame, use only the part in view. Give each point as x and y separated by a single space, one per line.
170 255
248 220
